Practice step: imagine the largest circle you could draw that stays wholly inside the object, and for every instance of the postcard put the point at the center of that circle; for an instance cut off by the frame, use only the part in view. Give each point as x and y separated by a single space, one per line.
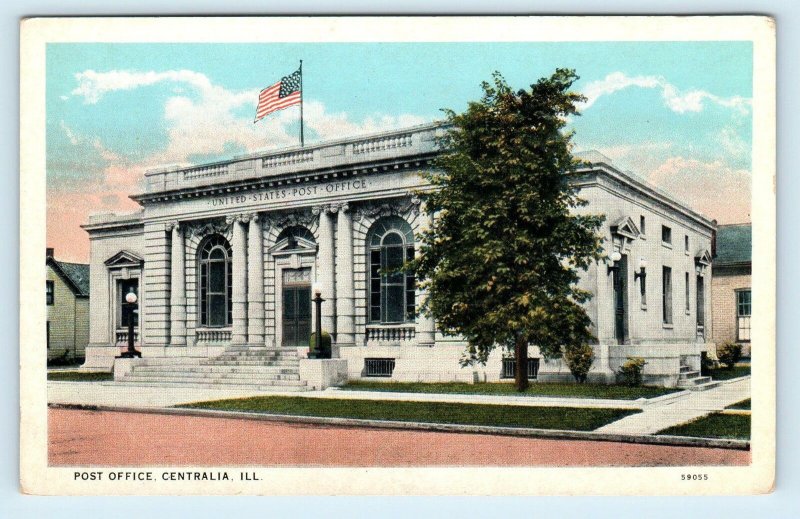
398 255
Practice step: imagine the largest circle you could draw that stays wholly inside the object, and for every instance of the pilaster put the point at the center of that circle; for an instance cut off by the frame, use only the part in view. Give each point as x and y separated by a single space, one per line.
239 281
345 311
425 325
325 267
177 300
255 283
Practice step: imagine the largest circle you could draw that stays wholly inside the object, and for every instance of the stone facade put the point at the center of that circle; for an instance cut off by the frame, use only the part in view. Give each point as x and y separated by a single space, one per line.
284 220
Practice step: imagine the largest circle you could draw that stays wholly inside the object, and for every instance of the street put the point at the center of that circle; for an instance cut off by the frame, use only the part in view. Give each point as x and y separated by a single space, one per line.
103 438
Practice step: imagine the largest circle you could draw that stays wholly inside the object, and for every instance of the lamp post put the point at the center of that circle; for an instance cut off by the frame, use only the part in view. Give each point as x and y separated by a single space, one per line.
130 302
642 270
318 332
615 257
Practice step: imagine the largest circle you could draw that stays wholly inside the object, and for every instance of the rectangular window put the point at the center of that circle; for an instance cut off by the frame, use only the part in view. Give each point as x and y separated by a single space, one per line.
50 292
642 225
666 295
510 366
686 243
666 234
688 308
743 310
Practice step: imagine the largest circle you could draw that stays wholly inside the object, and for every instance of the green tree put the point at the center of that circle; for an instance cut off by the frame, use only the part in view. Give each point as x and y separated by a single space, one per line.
502 258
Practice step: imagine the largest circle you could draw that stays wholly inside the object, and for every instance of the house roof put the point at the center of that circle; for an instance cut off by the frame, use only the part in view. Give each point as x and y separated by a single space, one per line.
76 275
734 244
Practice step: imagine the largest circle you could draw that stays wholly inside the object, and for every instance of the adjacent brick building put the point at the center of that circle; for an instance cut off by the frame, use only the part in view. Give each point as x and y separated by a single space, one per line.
67 295
730 286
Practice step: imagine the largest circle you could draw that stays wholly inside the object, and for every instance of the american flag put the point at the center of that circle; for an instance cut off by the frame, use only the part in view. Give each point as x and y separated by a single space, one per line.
282 94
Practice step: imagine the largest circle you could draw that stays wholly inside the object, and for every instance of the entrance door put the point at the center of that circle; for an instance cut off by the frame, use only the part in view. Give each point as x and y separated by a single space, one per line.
621 301
296 310
701 308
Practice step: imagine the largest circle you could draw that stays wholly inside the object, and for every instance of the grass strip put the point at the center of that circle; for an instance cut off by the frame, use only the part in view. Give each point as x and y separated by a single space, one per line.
716 425
78 376
570 418
613 392
724 373
744 404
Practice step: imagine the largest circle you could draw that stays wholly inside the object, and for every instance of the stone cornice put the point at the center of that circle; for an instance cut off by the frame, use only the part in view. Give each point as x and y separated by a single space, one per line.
298 178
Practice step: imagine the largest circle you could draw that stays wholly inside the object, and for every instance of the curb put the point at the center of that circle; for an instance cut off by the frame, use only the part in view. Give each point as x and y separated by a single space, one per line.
680 441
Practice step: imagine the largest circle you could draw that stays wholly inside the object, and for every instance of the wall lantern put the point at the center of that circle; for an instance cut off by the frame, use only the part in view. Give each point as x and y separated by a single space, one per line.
615 257
642 270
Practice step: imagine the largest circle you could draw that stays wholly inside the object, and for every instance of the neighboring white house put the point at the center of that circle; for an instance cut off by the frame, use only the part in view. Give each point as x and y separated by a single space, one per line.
223 256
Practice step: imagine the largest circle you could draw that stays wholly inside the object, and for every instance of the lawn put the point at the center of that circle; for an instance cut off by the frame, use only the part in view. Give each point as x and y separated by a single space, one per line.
571 418
744 404
723 373
613 392
78 376
717 425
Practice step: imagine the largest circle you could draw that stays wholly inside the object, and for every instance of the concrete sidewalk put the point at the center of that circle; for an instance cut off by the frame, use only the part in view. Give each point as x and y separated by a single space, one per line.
655 418
131 395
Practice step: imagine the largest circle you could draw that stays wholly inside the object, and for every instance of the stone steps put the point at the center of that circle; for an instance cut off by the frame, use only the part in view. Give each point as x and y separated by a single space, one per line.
258 355
215 362
177 378
247 387
218 375
266 370
692 379
238 368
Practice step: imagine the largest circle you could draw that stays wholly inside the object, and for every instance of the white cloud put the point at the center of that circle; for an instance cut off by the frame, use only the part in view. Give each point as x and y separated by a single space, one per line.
676 100
92 85
205 120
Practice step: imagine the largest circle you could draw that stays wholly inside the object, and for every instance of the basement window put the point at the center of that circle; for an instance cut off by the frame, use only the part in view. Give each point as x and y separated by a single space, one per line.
378 367
510 365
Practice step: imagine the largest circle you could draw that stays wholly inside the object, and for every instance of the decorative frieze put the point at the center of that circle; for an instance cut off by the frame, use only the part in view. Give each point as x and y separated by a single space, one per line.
200 229
404 207
303 218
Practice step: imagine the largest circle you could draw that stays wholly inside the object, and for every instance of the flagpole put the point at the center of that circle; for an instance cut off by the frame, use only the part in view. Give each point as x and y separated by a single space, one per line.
302 144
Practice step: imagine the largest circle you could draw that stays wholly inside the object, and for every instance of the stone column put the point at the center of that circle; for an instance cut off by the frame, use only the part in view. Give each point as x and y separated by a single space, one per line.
325 268
239 281
255 283
426 327
345 311
177 299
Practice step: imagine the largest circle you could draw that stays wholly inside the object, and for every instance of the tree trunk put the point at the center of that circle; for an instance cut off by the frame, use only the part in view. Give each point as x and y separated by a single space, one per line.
521 369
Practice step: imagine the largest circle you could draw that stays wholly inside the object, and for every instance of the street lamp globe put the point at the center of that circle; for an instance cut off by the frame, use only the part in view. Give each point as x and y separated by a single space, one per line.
616 256
131 297
317 289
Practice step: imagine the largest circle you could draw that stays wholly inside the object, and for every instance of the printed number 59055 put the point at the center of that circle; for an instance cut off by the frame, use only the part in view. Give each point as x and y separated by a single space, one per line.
694 477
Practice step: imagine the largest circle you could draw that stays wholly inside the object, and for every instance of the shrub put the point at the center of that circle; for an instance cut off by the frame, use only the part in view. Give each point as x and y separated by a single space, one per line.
579 359
66 358
729 353
630 373
324 351
707 364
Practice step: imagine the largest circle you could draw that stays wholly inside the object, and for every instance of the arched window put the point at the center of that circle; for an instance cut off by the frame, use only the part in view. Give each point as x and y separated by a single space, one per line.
391 291
216 287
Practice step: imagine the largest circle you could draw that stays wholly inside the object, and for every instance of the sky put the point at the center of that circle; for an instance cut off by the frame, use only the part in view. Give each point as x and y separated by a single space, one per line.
678 114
